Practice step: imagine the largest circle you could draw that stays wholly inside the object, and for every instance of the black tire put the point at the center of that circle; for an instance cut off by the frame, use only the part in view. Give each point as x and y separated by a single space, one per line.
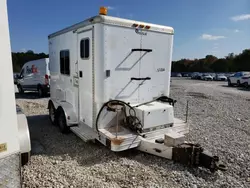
20 89
238 83
61 121
25 157
45 94
52 113
246 84
40 91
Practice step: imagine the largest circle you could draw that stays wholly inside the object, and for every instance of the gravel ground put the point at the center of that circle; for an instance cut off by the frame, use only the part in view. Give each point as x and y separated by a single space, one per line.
218 118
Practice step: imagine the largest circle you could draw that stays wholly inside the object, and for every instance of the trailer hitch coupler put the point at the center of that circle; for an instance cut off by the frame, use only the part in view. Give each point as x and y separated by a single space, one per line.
195 156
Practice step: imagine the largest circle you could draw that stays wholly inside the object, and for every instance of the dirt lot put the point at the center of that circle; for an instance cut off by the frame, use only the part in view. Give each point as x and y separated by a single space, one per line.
219 119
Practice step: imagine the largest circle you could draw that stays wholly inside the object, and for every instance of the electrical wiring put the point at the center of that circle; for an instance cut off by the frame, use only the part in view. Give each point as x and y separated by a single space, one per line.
131 120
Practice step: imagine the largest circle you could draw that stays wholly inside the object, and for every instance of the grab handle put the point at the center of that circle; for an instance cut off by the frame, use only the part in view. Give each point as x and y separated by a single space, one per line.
147 78
141 49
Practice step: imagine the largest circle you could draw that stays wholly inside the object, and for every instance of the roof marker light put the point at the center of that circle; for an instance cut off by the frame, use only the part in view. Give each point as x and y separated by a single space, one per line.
141 26
135 25
103 11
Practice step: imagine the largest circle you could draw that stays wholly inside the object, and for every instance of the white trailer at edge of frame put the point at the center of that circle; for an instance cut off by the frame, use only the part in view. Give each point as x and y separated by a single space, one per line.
15 144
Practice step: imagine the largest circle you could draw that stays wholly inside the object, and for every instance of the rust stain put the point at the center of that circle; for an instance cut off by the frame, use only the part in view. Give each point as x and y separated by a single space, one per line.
3 147
117 141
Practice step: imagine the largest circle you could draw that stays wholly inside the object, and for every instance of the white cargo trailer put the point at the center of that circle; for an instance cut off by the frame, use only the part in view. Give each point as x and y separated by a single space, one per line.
14 133
110 81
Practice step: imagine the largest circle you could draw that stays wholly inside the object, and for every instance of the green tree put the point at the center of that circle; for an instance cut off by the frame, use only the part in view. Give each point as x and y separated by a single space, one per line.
210 59
242 61
221 65
19 58
231 63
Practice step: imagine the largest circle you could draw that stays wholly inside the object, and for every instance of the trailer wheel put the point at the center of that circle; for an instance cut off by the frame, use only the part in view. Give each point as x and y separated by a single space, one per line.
61 121
246 84
25 157
52 113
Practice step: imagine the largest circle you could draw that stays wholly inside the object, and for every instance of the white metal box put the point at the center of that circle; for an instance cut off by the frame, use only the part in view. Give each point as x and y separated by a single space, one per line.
155 114
173 138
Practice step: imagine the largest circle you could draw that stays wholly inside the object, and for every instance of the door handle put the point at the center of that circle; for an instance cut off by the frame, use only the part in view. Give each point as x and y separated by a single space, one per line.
80 74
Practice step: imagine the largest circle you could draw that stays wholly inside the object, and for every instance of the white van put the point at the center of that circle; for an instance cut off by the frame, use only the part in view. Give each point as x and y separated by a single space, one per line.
35 76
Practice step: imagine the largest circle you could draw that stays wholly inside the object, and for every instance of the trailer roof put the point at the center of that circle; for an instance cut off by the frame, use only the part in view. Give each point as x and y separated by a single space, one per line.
113 21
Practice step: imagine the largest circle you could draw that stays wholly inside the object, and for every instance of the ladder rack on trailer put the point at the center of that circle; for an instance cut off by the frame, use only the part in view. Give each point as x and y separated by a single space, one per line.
110 81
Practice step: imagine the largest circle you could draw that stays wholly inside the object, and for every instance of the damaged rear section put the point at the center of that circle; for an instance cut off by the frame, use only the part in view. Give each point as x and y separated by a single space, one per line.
150 130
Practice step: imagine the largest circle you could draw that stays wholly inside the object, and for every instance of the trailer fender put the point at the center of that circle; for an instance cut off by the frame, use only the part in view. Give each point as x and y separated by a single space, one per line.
52 103
70 114
23 133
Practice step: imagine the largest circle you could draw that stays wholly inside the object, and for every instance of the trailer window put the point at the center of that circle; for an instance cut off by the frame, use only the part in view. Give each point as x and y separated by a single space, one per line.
84 48
64 62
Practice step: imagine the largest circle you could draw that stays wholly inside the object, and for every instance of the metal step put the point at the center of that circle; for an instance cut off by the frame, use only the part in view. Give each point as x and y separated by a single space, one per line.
85 132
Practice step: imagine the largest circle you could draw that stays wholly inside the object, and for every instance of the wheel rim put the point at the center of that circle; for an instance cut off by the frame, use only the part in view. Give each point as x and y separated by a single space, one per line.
52 113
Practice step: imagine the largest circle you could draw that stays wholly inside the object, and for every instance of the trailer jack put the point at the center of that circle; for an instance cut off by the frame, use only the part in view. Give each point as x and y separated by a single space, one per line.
195 156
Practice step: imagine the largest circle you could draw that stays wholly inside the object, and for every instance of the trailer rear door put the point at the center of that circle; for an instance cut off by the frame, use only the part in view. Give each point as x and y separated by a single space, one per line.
155 65
139 62
122 62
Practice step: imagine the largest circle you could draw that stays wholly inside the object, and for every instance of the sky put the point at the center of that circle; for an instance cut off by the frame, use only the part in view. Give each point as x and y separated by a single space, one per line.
202 27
